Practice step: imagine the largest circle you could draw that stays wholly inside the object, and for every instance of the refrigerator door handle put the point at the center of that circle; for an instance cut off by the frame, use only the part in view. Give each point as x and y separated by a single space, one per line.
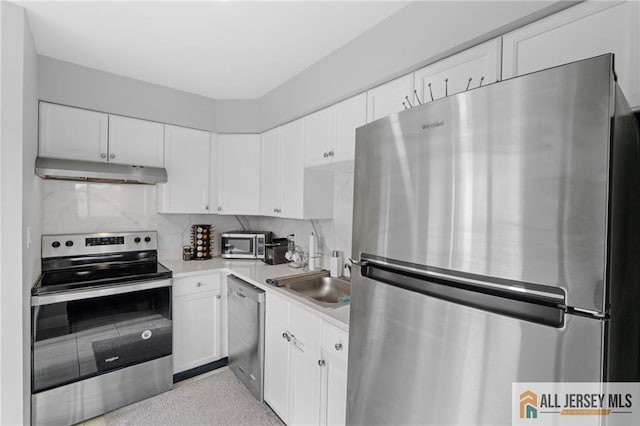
552 295
361 263
509 303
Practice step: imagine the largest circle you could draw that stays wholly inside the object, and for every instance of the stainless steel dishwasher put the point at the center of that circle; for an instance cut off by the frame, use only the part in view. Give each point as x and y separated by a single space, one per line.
246 333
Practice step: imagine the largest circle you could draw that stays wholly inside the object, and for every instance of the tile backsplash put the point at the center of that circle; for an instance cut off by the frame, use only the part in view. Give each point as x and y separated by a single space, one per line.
74 207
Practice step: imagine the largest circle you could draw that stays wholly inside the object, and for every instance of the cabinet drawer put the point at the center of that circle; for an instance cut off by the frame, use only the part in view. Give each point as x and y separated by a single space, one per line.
335 342
196 284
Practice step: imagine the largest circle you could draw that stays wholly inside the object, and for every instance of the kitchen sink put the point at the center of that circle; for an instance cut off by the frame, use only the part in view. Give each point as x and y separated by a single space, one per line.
327 292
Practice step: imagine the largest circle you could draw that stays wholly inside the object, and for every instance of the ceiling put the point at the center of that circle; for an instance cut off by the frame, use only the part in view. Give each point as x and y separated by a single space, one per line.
218 49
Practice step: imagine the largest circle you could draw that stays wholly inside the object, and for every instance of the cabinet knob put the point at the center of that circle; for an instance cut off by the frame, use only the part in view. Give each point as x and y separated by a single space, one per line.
206 207
325 155
199 285
275 210
103 155
321 362
338 346
219 209
286 336
218 297
112 156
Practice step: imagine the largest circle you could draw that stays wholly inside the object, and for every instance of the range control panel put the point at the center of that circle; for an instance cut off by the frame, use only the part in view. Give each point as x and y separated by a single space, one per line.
105 242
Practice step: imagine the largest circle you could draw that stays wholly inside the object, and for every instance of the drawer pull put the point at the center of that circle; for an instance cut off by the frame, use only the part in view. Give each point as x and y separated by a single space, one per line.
338 346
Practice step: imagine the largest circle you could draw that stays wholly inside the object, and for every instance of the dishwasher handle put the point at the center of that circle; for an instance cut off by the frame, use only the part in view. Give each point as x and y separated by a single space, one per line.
240 288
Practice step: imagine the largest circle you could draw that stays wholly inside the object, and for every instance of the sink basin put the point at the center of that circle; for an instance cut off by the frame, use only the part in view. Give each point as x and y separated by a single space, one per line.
327 292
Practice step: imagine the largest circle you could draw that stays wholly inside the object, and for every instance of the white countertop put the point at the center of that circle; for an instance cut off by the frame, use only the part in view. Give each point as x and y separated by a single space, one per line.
256 272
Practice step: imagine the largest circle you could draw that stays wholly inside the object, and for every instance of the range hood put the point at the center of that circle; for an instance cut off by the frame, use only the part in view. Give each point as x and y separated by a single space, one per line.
90 171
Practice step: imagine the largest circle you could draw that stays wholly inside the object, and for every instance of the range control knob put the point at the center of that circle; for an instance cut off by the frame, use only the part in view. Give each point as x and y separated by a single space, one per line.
147 239
136 240
55 244
69 243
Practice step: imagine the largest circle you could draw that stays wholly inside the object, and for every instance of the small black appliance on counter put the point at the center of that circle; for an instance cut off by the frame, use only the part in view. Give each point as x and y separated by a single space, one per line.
275 251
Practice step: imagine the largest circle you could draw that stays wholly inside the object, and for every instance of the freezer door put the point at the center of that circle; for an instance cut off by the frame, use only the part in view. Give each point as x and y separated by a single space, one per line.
417 359
508 181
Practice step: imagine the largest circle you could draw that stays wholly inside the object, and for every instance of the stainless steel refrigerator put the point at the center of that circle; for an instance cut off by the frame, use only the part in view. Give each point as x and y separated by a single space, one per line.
495 236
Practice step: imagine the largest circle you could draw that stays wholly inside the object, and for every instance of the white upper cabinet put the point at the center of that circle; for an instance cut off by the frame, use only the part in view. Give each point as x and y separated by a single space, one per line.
80 134
388 98
239 174
579 32
348 115
318 137
136 142
270 172
330 134
190 187
73 133
287 188
451 75
292 177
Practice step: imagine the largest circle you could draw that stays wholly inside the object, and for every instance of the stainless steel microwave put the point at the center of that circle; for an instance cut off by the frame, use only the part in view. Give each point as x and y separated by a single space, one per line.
245 244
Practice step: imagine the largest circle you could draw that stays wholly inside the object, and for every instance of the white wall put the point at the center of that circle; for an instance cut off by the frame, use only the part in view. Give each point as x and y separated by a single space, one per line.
97 207
31 204
70 84
19 193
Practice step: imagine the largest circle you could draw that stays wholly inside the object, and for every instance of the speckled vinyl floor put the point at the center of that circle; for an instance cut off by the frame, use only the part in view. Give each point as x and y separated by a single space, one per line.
216 398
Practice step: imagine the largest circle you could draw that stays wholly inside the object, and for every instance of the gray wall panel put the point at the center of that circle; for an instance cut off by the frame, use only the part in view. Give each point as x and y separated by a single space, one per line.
70 84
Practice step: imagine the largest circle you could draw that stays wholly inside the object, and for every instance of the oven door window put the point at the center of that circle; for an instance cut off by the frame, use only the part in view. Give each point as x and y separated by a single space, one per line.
239 246
83 338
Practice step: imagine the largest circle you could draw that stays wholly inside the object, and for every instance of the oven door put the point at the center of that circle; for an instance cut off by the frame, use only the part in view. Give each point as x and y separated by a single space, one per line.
239 246
81 334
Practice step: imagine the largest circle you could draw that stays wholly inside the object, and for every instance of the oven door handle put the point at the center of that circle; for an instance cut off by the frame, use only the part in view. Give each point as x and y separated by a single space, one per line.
90 293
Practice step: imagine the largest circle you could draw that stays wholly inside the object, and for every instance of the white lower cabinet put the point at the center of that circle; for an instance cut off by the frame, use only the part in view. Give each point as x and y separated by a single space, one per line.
305 384
335 349
198 327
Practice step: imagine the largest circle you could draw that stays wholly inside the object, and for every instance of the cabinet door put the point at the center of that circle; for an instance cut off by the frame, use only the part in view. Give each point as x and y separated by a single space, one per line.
388 98
307 373
334 398
187 156
277 386
582 31
451 75
270 172
292 169
239 174
73 133
348 115
136 142
213 174
196 330
317 137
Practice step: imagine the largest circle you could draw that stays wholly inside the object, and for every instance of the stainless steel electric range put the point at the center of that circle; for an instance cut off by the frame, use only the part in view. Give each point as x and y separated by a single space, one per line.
101 326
